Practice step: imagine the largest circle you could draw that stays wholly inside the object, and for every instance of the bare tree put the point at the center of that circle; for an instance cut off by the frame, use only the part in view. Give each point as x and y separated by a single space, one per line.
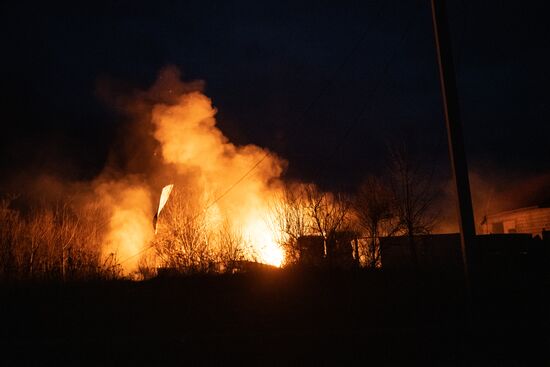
57 244
329 214
40 236
56 241
68 228
184 236
290 219
84 258
11 229
411 183
231 247
375 217
302 210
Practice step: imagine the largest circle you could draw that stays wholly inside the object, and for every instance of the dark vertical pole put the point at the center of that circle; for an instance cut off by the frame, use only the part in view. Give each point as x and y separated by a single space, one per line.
454 129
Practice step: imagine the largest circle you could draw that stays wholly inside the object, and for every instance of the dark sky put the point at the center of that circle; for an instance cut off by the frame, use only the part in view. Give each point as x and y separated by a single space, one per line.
324 84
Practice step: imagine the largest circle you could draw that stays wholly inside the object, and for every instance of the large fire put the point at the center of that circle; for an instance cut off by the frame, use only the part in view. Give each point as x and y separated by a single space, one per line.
269 251
207 163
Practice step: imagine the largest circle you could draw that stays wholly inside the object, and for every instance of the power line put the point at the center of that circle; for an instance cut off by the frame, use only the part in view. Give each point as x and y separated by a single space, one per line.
369 100
301 119
329 82
209 205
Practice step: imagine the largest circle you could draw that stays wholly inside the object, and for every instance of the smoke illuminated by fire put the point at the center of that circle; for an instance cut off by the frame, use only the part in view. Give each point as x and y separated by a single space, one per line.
201 159
129 225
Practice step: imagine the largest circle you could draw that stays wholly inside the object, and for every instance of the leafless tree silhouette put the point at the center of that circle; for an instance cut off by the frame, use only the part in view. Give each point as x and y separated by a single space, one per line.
11 229
183 237
290 219
329 213
375 217
231 247
411 184
52 241
192 240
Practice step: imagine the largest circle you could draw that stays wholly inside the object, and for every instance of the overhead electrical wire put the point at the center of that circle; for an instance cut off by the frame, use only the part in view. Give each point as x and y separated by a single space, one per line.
369 101
300 121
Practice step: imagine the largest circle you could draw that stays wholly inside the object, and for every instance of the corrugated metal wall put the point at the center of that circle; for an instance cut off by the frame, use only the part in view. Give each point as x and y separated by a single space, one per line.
528 220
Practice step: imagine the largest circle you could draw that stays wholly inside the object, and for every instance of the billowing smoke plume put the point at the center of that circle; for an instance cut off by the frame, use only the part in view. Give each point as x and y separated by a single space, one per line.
167 135
129 228
194 156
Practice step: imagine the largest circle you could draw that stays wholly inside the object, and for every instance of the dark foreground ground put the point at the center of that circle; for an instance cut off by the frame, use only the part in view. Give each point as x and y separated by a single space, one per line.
279 318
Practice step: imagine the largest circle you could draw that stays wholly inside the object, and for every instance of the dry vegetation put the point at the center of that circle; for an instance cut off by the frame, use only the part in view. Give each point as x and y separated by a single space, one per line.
191 239
53 243
398 202
63 241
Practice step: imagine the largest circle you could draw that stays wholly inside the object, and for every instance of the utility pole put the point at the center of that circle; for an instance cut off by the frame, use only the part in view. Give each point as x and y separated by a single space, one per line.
454 131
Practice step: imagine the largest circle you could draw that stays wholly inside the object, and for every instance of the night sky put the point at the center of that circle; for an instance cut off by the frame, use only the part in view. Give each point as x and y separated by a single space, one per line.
323 84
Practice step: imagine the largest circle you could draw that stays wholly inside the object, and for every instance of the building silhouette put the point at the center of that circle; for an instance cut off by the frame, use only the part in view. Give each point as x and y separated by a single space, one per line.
533 220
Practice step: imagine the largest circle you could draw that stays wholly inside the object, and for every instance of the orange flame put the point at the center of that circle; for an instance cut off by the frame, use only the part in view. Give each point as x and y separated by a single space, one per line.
190 139
205 161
